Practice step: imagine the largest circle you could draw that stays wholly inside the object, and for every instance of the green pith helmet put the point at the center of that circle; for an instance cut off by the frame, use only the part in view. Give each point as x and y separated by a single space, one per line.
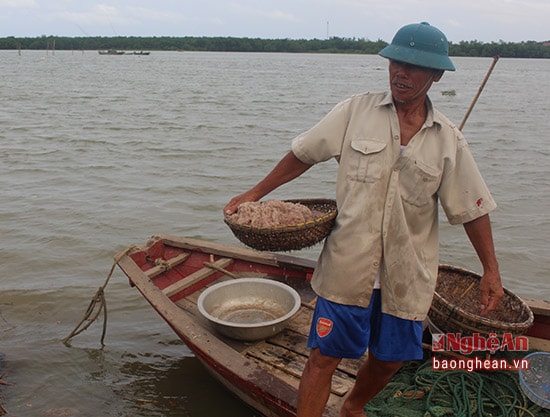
420 44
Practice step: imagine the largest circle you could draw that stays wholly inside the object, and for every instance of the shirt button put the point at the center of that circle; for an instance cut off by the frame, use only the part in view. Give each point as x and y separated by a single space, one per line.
396 137
375 263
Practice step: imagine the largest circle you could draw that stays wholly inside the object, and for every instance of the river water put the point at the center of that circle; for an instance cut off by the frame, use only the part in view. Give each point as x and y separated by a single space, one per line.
100 152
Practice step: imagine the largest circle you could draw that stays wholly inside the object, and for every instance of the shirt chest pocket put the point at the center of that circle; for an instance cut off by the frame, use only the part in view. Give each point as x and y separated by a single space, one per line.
366 160
418 183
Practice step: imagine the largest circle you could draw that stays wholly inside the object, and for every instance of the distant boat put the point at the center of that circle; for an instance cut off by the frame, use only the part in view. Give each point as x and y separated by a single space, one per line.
118 52
111 52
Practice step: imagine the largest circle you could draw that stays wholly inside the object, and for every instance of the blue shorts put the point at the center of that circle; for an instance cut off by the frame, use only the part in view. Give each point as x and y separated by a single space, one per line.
343 331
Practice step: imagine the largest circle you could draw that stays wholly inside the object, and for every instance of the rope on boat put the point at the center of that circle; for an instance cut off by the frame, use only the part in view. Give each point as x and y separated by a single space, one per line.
3 411
419 391
97 305
159 262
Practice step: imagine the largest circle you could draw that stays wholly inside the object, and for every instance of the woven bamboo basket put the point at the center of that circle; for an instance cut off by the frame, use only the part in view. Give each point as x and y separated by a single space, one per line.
287 238
455 307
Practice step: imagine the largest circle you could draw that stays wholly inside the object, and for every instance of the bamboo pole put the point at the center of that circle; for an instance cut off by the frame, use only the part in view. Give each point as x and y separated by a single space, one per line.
481 87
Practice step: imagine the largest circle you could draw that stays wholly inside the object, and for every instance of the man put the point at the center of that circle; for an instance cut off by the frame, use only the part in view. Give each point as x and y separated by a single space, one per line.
398 157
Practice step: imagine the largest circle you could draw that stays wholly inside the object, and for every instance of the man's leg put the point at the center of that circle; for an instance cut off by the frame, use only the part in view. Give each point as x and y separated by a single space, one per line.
373 375
315 384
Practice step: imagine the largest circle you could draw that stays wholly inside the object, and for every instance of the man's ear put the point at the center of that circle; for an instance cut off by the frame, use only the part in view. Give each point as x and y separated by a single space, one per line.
437 75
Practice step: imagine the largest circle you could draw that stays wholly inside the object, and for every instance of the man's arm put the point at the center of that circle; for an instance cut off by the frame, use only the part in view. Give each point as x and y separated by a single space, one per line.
480 235
288 168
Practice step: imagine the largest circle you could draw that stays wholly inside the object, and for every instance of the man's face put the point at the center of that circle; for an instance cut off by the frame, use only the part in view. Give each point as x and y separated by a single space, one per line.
409 82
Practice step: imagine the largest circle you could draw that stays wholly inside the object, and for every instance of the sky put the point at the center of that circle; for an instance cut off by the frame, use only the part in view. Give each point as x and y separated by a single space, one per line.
460 20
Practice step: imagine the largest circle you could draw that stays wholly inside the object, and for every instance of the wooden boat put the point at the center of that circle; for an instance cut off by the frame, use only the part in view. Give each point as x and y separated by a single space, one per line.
111 52
117 52
171 272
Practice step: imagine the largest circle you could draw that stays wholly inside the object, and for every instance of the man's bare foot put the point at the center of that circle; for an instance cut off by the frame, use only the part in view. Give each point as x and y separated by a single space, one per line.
346 411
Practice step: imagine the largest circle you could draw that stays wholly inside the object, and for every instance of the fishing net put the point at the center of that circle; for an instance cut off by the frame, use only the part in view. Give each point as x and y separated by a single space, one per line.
420 391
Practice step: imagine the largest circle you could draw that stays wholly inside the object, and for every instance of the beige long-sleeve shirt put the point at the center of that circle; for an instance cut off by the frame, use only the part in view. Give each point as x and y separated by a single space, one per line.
388 202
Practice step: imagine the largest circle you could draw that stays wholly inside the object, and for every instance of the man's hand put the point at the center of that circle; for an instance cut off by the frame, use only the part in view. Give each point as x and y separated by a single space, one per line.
288 168
490 292
236 201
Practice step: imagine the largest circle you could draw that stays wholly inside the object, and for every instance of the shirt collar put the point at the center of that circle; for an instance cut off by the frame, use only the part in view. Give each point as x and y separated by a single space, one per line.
432 116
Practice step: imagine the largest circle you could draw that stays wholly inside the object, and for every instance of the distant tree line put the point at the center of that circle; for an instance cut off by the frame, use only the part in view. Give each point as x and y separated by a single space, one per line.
528 49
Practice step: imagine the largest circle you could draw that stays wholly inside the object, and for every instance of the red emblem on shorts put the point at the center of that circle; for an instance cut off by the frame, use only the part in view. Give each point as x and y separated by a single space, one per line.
324 327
